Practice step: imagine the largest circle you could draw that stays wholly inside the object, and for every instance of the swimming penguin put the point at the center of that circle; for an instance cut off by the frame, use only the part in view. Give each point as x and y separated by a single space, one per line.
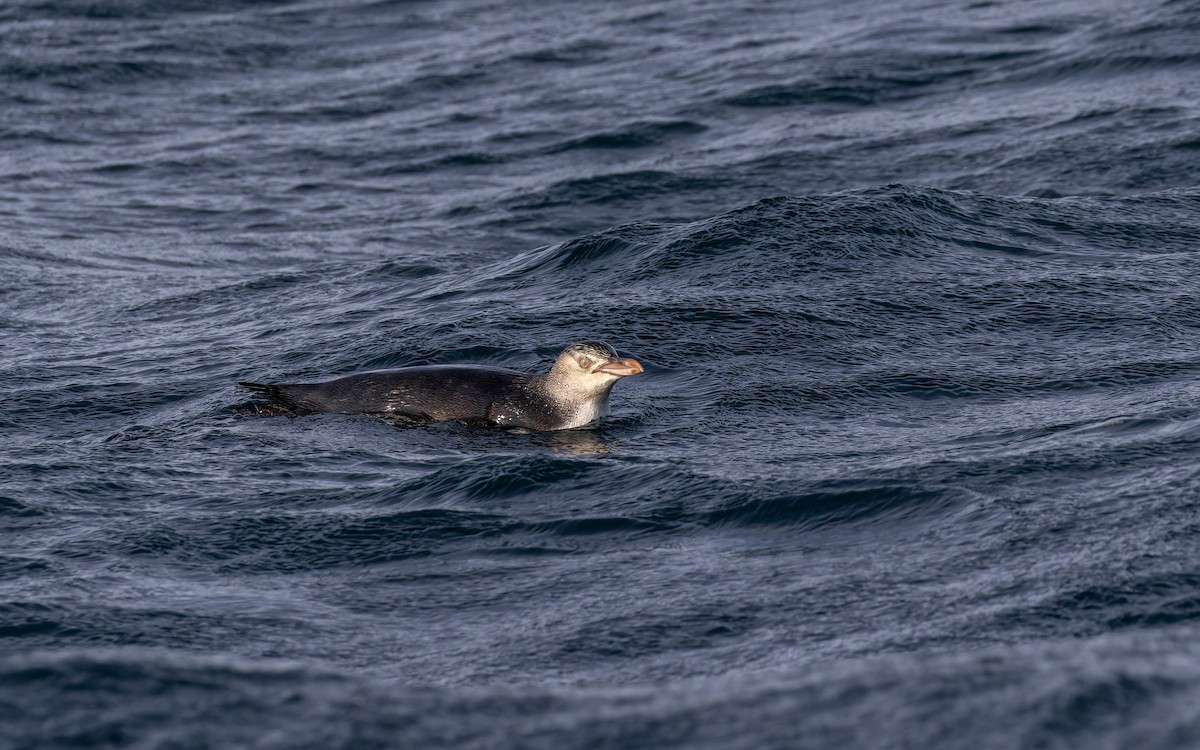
573 394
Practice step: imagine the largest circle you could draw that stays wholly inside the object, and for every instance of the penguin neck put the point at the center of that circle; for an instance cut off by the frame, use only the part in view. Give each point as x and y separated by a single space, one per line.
577 406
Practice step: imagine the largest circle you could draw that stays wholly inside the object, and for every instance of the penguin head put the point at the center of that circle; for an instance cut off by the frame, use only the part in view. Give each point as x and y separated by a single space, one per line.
592 367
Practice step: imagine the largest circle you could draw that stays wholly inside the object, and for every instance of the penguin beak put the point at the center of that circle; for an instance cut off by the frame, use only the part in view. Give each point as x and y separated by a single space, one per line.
621 366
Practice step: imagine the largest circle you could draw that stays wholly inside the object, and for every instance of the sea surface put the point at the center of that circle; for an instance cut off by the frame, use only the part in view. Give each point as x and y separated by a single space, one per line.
915 461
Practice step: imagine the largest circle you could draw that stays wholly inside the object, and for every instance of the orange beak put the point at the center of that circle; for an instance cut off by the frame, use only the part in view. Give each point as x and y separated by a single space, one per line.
621 366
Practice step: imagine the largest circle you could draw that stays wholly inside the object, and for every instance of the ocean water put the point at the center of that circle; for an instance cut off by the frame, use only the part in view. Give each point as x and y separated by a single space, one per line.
915 461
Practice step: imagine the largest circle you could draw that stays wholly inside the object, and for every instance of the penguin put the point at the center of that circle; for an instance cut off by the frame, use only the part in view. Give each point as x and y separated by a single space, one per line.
573 394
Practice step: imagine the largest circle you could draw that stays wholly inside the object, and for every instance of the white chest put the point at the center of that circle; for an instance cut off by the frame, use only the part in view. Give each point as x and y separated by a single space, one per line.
587 412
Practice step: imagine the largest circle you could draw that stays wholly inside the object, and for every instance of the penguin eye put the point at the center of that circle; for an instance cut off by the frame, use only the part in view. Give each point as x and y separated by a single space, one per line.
585 363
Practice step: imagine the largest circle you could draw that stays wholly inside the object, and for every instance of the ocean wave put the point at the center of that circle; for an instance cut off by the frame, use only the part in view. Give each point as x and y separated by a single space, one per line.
1107 690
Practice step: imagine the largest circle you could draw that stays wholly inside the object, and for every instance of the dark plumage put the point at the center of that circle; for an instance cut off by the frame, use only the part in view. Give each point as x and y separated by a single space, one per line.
573 394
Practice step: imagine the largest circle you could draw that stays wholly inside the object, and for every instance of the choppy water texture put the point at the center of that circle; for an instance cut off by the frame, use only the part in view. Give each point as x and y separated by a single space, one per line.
914 462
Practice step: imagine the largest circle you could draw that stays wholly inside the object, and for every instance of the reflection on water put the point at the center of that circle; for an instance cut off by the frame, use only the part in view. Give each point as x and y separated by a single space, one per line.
579 443
584 442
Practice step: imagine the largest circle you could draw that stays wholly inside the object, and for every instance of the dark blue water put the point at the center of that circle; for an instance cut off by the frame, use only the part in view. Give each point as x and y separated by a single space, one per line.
915 461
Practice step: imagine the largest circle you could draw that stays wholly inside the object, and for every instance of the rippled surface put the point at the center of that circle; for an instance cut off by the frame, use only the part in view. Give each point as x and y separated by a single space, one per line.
913 461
